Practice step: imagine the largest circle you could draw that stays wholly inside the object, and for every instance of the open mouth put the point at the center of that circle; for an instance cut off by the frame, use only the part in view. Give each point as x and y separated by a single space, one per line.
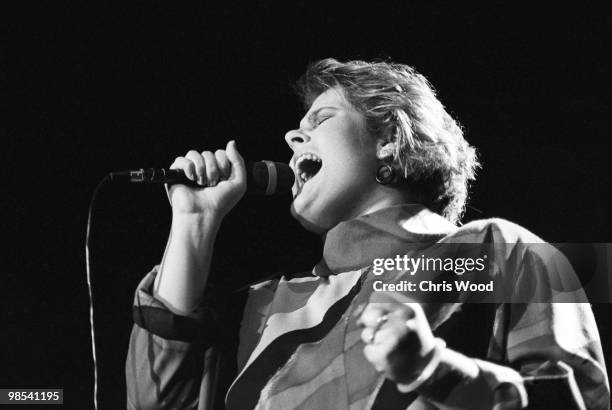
306 166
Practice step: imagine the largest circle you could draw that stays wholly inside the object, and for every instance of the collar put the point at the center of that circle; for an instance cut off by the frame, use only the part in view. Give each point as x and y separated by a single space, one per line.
354 244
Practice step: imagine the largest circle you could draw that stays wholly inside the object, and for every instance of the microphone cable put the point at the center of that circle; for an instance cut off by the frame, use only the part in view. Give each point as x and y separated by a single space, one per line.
104 180
264 178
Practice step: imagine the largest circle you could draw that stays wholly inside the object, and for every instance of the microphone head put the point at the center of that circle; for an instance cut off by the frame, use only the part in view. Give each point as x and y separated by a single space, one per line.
269 178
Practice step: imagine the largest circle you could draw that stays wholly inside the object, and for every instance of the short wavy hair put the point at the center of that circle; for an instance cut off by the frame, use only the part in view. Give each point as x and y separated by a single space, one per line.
401 106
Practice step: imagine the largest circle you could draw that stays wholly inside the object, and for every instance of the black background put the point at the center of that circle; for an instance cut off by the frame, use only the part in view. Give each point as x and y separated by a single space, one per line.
92 88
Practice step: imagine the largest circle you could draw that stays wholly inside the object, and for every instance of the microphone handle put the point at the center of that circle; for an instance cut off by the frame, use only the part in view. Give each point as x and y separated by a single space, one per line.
160 176
263 177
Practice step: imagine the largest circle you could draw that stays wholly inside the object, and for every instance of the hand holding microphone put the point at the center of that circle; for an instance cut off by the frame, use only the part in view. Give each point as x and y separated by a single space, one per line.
222 172
206 170
203 188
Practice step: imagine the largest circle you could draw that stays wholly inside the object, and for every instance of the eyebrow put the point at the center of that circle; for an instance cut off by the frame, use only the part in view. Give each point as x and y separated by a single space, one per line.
310 118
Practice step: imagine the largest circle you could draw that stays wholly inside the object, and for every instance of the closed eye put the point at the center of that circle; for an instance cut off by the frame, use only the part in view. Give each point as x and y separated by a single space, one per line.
321 120
319 116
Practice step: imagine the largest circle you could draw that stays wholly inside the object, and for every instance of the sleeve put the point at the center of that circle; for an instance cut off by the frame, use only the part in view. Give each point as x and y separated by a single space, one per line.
557 349
542 354
171 359
555 345
553 360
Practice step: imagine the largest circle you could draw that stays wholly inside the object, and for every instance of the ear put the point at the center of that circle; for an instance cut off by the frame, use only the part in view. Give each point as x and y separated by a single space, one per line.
385 149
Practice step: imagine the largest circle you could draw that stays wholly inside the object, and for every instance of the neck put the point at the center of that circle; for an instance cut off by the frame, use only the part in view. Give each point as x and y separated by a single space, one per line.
354 244
384 197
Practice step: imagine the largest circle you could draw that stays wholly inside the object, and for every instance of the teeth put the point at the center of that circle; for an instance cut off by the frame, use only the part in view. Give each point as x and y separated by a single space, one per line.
304 177
305 156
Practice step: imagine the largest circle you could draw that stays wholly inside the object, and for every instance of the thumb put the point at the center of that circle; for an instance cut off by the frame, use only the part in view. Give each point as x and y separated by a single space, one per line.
238 167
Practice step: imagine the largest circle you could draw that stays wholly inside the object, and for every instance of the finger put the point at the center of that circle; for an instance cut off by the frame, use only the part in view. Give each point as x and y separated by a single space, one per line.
368 335
377 355
175 164
387 334
372 314
200 167
238 167
411 325
406 310
379 351
212 171
223 163
414 310
186 165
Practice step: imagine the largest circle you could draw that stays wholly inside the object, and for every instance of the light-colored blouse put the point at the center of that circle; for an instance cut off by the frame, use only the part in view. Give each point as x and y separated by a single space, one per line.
299 341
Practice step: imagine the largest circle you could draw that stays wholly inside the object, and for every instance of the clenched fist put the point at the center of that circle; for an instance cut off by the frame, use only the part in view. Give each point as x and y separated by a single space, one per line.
223 174
398 338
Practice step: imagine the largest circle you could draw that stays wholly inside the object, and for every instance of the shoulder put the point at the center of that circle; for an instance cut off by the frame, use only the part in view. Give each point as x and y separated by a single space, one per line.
513 246
496 230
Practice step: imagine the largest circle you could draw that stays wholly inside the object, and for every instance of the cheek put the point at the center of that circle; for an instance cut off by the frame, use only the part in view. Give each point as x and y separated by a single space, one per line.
350 151
342 181
353 166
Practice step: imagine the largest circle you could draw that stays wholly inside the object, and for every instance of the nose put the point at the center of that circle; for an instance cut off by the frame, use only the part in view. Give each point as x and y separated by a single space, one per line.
296 137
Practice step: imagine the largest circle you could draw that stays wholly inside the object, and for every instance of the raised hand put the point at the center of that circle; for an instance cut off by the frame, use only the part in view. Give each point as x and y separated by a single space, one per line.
223 174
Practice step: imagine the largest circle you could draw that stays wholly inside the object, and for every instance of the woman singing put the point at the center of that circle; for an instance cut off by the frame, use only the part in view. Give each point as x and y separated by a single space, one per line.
382 173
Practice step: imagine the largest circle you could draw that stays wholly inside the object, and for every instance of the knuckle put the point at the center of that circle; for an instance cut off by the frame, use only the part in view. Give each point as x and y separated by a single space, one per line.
380 366
368 353
365 334
189 169
416 308
212 168
410 326
369 315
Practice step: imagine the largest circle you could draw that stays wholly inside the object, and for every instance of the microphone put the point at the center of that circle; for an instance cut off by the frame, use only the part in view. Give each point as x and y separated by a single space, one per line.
263 177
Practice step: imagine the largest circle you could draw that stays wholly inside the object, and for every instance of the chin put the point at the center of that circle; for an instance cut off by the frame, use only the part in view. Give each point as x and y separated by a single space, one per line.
309 222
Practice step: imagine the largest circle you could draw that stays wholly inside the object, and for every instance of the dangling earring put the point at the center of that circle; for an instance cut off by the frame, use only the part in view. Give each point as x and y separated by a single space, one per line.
385 174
